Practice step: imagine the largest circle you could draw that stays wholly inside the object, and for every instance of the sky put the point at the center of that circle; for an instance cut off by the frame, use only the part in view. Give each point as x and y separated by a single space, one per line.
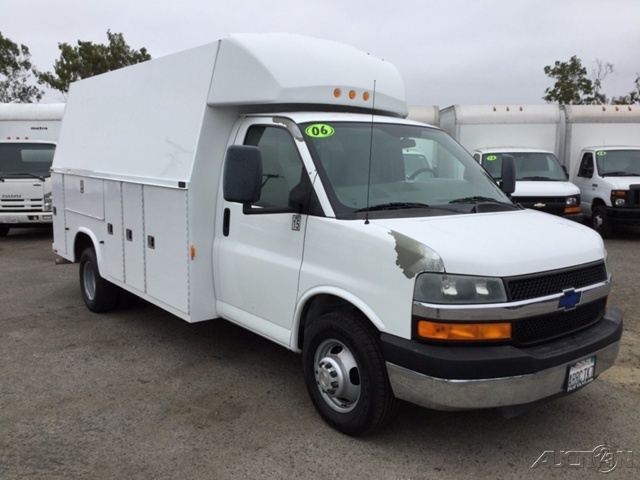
448 51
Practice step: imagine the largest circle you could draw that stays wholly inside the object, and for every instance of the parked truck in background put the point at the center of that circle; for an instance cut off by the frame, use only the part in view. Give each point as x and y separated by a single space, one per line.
429 114
28 134
268 180
532 135
602 152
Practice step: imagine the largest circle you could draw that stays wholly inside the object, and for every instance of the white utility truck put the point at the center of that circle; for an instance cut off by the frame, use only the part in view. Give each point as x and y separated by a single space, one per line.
602 151
28 133
261 179
533 136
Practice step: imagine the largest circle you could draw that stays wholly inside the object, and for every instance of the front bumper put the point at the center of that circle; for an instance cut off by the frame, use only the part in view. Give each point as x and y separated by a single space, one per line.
25 219
464 378
624 216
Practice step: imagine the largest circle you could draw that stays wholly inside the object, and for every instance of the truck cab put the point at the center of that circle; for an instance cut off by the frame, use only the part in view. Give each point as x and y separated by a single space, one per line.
541 183
609 179
25 184
533 135
28 136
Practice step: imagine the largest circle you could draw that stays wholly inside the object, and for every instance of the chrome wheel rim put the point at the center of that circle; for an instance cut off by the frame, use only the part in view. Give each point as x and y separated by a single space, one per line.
337 375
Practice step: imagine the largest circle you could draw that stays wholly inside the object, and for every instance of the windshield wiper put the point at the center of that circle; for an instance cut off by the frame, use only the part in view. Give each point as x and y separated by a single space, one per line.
537 178
620 174
392 206
477 199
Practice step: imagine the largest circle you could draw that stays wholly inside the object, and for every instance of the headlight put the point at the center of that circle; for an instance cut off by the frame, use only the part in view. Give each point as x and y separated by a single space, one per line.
572 201
458 289
572 205
47 202
619 198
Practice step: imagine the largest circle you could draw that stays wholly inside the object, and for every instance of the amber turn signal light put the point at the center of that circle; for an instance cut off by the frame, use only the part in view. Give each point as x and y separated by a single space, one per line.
464 331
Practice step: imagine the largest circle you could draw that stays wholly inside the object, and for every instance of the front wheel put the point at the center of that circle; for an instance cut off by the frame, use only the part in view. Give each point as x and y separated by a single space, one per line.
345 374
601 223
98 294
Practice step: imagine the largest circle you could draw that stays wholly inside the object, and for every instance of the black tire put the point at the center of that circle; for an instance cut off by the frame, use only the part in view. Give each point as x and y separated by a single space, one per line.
346 375
98 294
601 223
4 231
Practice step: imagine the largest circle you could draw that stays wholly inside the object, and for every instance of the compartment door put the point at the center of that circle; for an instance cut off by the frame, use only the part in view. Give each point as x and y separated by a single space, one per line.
133 231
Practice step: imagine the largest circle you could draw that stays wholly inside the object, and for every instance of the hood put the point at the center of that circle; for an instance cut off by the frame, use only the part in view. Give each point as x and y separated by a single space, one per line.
621 183
526 188
500 244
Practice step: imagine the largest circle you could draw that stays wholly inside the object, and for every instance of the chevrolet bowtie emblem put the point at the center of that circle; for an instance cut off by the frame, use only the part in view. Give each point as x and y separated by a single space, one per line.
539 205
569 299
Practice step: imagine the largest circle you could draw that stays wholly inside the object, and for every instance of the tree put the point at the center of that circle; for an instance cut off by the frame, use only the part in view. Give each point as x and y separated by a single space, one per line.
15 72
89 59
599 74
572 86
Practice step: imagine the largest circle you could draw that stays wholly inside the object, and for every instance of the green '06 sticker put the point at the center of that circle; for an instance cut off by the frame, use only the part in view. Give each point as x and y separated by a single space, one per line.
601 153
319 130
491 158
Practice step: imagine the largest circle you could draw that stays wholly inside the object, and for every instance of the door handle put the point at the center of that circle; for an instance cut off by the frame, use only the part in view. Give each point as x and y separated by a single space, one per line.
226 220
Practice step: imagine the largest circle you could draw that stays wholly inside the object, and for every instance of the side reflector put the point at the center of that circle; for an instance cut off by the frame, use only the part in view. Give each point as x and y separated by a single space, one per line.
464 331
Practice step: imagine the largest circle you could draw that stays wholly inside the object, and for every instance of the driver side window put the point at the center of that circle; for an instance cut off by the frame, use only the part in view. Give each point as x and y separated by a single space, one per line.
586 166
281 165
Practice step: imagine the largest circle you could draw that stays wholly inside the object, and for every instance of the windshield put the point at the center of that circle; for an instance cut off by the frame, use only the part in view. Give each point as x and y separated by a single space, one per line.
410 167
618 162
534 166
25 159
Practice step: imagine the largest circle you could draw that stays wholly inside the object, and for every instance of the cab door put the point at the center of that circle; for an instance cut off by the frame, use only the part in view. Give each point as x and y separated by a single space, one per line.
261 245
587 181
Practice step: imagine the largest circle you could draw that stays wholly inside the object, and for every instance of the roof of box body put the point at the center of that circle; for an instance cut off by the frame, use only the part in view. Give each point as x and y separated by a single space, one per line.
282 68
602 113
499 114
148 122
31 111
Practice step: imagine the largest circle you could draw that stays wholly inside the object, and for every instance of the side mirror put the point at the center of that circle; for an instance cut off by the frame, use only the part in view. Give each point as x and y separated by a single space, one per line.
242 176
508 175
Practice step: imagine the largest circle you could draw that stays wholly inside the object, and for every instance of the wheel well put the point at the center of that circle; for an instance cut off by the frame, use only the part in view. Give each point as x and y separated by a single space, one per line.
321 304
597 202
82 242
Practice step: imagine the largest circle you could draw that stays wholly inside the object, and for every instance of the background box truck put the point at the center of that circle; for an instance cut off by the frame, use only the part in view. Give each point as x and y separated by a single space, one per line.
533 135
602 151
28 133
262 179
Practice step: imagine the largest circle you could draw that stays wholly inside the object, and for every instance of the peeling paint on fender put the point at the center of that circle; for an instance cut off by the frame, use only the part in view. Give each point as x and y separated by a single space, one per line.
414 257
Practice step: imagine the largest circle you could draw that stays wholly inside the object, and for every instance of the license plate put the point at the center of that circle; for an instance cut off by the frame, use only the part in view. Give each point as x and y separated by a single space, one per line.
581 373
10 219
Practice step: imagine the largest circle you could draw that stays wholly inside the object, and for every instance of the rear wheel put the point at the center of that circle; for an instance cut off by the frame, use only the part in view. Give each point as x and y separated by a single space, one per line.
600 222
98 294
346 375
4 231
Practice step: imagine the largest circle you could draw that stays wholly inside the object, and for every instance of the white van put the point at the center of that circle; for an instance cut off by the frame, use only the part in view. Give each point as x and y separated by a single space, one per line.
262 179
533 135
603 151
28 135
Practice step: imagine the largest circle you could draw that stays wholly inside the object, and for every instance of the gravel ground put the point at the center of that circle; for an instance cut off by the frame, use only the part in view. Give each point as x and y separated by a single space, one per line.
140 394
